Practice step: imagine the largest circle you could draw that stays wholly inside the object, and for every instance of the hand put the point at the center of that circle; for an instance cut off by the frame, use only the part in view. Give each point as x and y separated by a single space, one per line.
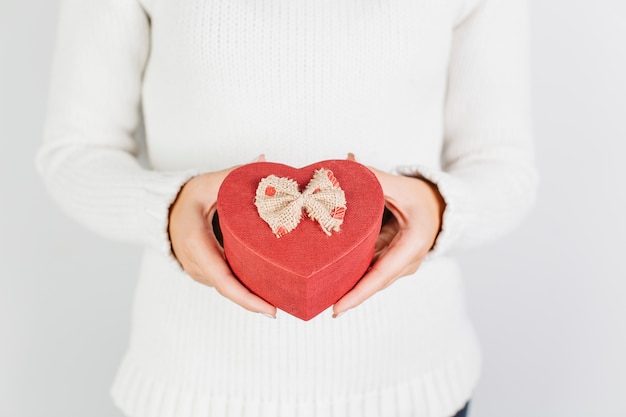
417 208
195 246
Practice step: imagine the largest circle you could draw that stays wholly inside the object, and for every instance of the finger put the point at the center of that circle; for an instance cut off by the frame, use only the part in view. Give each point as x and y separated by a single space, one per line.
408 270
395 190
351 157
384 239
391 184
212 265
399 256
388 231
394 186
380 175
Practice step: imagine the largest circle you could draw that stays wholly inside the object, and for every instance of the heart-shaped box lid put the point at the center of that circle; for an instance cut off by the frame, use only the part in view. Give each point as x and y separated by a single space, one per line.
305 271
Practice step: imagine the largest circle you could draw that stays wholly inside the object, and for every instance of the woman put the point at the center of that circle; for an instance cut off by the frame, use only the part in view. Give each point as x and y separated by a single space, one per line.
433 95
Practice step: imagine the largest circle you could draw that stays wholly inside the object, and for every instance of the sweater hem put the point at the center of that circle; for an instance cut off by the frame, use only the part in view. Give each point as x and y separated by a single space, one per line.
439 393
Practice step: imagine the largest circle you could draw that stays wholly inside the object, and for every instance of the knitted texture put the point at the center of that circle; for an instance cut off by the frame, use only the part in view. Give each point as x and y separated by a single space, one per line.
431 89
280 202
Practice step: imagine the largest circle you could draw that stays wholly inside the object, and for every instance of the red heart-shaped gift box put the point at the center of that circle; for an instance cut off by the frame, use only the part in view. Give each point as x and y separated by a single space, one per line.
304 271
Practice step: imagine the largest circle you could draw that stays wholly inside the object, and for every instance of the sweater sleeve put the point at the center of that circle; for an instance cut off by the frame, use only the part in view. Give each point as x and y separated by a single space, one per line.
487 177
88 159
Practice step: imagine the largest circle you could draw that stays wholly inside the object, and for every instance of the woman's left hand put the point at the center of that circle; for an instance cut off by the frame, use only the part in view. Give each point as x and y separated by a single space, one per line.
404 240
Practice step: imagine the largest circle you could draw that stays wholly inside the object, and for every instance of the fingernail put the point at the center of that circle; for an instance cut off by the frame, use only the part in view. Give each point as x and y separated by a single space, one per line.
336 315
268 315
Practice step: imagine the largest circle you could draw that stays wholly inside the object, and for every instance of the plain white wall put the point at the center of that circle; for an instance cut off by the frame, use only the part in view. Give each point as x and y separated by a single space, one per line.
548 300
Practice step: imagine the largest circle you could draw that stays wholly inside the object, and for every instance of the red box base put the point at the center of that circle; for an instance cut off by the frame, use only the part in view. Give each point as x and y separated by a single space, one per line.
305 271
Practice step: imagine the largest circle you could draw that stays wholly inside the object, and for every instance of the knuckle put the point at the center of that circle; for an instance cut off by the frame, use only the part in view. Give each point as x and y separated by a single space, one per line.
220 289
196 276
389 282
188 250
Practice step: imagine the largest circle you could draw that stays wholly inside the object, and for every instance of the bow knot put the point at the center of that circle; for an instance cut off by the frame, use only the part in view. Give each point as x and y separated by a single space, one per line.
280 202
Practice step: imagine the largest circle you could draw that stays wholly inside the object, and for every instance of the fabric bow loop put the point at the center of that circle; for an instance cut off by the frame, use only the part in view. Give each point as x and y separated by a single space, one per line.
280 202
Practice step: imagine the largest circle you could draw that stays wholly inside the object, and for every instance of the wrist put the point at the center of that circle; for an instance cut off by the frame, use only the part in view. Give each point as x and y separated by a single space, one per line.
173 216
431 196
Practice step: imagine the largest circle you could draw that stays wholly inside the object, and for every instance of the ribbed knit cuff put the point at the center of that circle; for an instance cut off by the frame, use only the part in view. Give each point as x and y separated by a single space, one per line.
159 193
458 213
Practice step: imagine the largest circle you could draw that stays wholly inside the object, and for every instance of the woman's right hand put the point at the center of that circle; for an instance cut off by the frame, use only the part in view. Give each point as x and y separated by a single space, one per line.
195 246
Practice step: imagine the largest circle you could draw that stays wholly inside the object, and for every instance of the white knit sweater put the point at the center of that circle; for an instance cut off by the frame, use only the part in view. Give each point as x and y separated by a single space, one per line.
435 87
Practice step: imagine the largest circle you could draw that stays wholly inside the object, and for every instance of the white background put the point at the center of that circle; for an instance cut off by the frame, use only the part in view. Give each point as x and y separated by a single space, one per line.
549 301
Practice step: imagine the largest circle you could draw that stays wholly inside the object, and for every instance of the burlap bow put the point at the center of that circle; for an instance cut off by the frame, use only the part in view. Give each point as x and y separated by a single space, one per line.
280 202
